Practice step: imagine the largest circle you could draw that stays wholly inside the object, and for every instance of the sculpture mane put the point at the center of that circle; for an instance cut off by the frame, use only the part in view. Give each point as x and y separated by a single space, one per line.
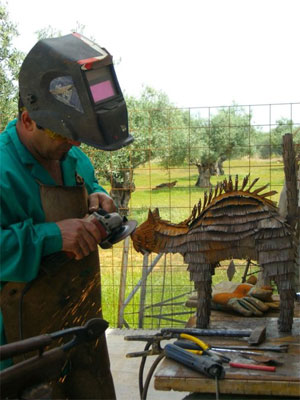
155 232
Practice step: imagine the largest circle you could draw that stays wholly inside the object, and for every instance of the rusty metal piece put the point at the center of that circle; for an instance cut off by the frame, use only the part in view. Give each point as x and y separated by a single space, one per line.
245 181
252 184
231 270
262 358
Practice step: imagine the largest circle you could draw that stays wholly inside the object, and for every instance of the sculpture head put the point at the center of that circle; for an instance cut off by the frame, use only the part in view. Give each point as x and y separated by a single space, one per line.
144 236
157 235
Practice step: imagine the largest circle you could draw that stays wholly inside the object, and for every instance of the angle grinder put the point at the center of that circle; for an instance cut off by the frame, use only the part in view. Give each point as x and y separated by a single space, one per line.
112 226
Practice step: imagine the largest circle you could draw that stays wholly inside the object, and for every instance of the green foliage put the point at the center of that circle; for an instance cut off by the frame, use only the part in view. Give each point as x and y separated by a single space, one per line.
173 148
51 32
10 61
224 134
148 123
271 143
175 137
47 32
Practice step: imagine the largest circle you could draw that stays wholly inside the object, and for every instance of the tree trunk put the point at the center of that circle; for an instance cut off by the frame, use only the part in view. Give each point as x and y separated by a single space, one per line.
204 172
121 191
219 166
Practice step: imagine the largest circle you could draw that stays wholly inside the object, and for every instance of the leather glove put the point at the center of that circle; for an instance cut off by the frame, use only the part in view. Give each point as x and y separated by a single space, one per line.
242 298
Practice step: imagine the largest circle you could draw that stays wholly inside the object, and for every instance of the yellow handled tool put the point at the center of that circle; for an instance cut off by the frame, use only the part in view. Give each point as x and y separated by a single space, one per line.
203 347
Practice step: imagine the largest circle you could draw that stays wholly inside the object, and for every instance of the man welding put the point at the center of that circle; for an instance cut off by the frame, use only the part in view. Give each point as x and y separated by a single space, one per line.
69 93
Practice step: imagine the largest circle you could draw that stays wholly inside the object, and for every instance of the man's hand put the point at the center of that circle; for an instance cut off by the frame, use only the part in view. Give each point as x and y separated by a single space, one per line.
79 236
101 200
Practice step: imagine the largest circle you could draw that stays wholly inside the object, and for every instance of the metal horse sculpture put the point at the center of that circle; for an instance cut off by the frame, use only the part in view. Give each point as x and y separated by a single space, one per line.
232 223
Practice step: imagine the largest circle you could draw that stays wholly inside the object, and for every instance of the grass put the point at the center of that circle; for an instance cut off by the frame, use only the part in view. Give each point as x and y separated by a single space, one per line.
169 277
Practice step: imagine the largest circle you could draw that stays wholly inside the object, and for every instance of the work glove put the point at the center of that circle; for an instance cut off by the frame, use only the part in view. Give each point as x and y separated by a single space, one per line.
243 298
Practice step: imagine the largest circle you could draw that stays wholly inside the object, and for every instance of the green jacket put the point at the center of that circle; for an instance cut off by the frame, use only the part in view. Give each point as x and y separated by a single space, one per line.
25 236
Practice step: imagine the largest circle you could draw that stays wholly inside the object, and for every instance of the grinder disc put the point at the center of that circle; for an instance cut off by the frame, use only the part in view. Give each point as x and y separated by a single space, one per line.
119 234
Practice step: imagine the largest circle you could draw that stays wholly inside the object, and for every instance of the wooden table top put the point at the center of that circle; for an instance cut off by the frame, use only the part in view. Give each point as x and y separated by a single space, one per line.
285 381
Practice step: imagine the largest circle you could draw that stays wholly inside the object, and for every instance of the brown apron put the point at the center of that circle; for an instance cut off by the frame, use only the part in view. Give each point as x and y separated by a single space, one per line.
62 297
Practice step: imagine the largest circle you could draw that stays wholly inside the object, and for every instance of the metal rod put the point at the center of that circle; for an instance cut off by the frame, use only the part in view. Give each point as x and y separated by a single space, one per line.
165 302
138 285
143 290
123 282
163 288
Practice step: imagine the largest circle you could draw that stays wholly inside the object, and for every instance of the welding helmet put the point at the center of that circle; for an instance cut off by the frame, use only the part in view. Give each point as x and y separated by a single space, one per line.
68 85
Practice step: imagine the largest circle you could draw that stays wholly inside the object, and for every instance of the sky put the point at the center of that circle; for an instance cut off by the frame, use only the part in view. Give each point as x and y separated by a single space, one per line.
199 52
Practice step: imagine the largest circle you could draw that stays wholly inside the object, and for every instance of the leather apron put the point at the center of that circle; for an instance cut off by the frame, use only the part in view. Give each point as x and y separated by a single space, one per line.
63 296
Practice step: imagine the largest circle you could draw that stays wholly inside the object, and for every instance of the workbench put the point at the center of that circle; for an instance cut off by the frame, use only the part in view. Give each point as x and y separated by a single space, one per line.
284 383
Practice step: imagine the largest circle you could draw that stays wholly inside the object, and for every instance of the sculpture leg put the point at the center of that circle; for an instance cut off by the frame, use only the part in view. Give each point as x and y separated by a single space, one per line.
203 303
287 298
283 276
203 288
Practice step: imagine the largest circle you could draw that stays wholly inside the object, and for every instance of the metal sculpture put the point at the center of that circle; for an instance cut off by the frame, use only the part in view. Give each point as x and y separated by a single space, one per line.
232 223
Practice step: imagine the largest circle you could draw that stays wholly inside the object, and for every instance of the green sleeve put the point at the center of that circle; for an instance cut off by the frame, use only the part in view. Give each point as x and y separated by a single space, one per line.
23 245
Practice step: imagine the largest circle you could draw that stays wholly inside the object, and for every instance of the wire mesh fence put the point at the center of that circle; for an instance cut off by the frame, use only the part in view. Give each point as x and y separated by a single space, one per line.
179 154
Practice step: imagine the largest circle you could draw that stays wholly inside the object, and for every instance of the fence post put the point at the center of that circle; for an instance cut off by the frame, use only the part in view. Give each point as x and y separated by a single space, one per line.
143 290
289 160
123 282
292 196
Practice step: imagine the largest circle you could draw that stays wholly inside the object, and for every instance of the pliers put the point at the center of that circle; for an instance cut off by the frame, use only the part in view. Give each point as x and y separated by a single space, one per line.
195 345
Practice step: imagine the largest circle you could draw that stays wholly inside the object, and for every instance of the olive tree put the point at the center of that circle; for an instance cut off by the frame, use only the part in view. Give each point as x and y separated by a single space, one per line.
270 143
224 135
10 61
149 123
207 142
